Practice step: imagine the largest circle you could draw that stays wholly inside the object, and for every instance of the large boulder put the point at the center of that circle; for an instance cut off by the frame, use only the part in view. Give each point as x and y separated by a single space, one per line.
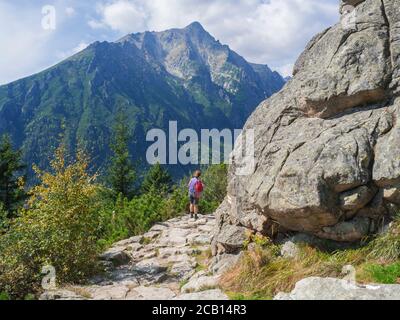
327 147
338 289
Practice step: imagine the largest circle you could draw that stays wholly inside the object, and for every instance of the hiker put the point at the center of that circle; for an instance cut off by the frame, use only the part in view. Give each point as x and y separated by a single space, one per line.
196 187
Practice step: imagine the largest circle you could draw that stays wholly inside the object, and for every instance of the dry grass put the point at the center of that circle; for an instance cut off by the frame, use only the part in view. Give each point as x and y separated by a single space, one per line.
386 247
79 291
262 272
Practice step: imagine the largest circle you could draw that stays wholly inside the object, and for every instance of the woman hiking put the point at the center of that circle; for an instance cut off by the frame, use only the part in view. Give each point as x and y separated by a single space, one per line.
196 188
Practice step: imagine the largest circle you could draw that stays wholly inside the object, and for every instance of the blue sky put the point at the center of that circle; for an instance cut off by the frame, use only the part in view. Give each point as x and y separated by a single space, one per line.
272 32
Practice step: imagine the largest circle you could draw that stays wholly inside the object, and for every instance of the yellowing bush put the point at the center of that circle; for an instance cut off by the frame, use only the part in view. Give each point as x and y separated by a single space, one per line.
58 229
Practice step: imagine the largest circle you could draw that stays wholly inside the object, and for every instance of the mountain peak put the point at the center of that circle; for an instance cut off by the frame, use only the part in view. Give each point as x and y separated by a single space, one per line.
195 26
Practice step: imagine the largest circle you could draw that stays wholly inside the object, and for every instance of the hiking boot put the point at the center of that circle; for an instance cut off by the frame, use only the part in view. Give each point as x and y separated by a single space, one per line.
196 217
191 215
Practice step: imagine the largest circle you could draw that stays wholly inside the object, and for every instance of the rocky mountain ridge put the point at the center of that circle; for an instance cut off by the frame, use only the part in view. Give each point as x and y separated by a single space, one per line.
182 75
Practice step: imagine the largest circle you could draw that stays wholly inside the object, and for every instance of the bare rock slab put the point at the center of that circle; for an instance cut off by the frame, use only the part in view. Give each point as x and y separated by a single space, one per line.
198 284
215 294
337 289
151 293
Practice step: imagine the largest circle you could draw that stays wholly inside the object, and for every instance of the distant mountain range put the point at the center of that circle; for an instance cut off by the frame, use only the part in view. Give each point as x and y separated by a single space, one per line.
182 75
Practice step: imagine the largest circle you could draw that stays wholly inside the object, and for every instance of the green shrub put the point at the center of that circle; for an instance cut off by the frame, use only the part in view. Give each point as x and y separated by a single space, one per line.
179 199
129 218
216 183
4 221
58 229
4 296
385 274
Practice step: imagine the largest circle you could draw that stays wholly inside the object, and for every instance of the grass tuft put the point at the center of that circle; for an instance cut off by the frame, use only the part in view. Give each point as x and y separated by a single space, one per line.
263 272
386 247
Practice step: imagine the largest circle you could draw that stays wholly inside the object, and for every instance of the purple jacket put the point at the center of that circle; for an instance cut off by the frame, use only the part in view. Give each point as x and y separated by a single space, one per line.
192 184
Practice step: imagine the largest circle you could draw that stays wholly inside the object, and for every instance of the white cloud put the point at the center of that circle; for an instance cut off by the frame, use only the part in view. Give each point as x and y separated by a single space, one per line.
81 46
70 11
22 44
122 15
263 31
94 24
285 70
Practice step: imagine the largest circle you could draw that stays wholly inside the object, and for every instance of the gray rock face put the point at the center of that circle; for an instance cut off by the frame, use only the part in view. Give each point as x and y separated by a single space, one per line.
337 289
232 238
327 146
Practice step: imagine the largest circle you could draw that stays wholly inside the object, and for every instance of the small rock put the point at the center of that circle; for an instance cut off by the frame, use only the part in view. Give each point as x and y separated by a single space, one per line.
116 255
133 240
134 247
216 295
112 292
392 194
337 289
348 231
357 199
181 258
183 270
200 284
174 237
150 255
224 262
151 235
150 266
200 239
206 228
232 237
150 293
167 252
290 250
153 279
159 227
60 295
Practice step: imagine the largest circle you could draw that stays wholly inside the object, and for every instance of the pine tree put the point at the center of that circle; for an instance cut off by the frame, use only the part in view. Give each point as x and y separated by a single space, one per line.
121 173
11 180
157 178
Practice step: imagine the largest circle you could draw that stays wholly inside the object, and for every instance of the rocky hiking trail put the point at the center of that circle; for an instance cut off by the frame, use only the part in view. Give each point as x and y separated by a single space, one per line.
173 261
170 262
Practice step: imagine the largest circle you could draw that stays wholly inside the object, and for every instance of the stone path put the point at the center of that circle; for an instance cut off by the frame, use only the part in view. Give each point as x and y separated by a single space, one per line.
170 262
